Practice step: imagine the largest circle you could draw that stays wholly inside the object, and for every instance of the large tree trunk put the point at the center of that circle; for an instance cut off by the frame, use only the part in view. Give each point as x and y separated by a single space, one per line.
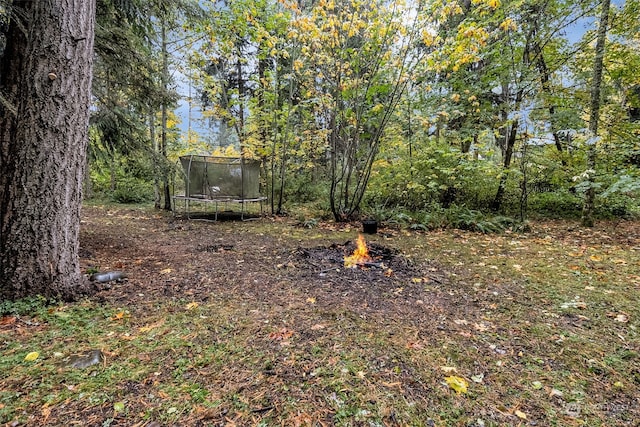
45 82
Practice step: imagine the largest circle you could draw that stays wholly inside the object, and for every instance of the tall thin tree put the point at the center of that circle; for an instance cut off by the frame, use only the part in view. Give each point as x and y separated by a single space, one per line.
596 84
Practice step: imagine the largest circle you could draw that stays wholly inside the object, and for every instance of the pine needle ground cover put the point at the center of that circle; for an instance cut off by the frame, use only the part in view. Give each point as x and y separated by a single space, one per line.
259 323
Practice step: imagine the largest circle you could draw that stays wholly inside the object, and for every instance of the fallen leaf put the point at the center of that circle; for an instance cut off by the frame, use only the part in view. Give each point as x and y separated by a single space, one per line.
555 393
166 271
282 334
503 410
192 305
595 258
7 320
311 300
478 378
537 385
458 384
520 414
317 327
118 316
152 326
396 384
619 317
415 345
480 327
32 356
118 406
448 369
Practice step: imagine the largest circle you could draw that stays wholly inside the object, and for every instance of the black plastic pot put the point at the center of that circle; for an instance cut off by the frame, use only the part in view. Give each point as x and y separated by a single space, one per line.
370 226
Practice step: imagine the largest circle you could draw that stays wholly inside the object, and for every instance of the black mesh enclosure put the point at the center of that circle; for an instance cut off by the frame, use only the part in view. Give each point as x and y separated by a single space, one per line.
208 177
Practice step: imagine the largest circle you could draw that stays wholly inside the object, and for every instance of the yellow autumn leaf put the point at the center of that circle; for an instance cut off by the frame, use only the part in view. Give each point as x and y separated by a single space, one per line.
32 356
595 258
520 415
458 384
508 25
166 271
152 326
192 305
118 316
311 300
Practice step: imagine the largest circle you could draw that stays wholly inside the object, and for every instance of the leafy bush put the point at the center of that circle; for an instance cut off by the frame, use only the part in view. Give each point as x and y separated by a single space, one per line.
456 216
468 219
302 188
131 190
437 174
559 204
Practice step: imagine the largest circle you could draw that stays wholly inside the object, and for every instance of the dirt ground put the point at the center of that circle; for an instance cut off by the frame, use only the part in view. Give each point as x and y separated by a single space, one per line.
164 257
235 323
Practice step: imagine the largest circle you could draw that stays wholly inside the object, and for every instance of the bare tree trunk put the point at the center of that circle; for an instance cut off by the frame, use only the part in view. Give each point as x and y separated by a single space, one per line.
506 164
45 82
156 167
164 107
596 83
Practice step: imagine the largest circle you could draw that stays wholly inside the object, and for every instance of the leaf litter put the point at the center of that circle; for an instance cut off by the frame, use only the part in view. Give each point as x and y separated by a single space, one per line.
275 331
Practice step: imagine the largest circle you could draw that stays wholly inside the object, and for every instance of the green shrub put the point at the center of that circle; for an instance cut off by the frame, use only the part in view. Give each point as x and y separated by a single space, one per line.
437 174
131 190
464 218
23 307
559 204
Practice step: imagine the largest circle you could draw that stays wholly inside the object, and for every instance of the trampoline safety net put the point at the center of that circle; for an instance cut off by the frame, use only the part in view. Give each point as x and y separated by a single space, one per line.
208 177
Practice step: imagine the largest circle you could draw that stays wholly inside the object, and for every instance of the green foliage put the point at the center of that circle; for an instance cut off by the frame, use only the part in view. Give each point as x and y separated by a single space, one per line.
468 219
303 187
556 204
436 174
132 190
625 185
23 307
455 216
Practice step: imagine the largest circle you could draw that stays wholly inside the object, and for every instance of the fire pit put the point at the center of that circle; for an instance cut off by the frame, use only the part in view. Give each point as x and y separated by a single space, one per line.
371 275
358 258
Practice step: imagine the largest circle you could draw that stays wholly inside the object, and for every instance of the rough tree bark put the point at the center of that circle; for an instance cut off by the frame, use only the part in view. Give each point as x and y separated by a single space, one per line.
45 84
